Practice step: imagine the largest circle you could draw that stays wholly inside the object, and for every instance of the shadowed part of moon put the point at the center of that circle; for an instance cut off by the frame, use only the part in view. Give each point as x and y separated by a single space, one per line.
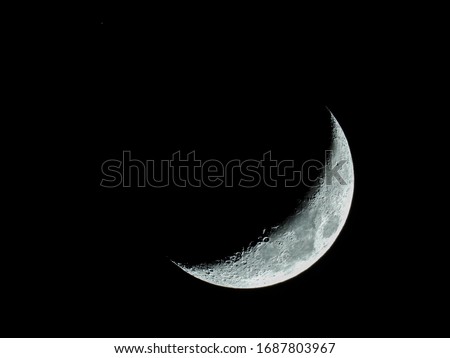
300 241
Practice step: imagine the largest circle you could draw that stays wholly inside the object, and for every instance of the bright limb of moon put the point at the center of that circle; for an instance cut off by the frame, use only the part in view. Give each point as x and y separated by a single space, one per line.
293 247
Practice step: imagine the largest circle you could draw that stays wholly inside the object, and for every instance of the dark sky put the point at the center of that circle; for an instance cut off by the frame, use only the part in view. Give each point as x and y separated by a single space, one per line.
92 262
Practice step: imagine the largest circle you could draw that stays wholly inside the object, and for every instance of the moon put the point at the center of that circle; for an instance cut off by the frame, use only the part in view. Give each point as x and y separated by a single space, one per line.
289 249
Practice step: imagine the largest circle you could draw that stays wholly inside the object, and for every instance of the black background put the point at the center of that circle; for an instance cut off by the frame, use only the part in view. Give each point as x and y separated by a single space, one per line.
85 261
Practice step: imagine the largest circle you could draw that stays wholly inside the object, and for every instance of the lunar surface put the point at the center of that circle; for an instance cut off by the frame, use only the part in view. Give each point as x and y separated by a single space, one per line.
287 250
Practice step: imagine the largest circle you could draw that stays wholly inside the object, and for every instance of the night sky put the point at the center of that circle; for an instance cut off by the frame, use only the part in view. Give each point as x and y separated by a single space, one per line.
87 261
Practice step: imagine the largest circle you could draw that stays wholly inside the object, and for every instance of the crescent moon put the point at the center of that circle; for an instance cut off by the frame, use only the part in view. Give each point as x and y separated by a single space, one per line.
303 238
